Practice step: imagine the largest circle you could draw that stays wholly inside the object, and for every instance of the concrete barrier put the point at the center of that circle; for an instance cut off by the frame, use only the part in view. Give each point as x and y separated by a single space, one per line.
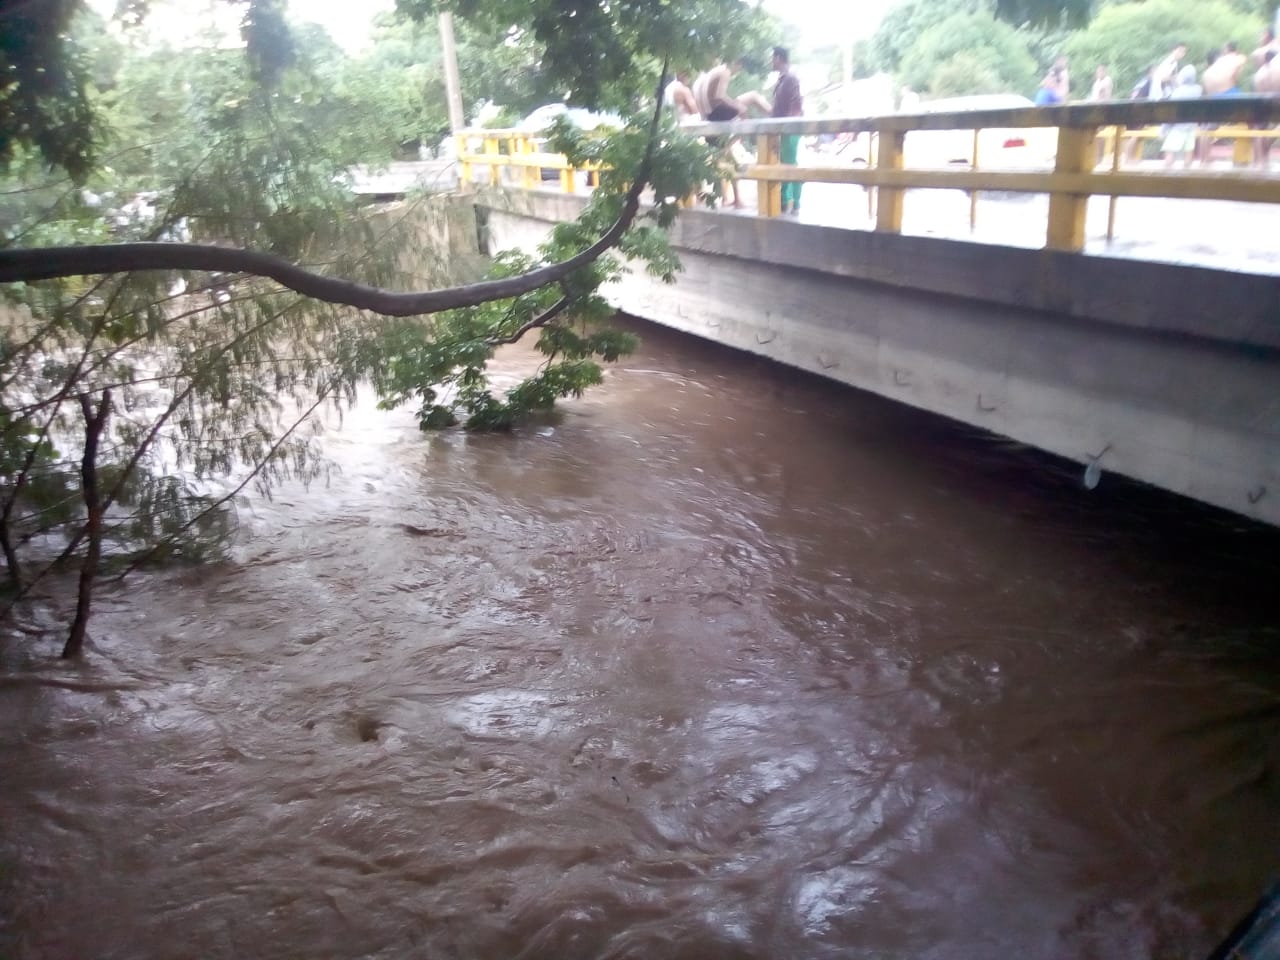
1165 374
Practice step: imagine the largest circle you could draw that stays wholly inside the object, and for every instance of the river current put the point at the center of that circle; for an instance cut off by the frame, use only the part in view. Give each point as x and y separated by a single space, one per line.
719 661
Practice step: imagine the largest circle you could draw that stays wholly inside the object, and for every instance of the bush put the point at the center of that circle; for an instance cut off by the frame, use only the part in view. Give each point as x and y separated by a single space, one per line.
970 53
1131 37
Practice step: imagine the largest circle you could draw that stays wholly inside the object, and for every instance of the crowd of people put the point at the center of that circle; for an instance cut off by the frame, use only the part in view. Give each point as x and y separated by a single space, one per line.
1173 78
708 98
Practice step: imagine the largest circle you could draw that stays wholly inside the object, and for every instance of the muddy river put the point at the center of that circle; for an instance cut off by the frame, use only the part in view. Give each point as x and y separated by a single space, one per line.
720 661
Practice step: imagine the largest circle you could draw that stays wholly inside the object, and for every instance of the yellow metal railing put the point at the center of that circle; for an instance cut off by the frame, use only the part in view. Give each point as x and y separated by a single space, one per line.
517 150
1078 163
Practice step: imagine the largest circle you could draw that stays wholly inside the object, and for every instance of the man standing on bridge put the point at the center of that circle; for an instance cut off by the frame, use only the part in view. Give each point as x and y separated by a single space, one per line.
787 102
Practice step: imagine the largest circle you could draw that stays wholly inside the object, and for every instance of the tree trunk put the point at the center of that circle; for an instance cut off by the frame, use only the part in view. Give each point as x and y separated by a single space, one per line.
10 557
94 425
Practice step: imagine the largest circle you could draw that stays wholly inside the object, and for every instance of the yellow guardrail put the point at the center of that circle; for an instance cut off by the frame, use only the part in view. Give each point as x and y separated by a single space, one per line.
1083 137
518 149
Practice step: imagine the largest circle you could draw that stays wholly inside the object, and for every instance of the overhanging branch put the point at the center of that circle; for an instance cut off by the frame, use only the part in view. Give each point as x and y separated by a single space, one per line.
49 263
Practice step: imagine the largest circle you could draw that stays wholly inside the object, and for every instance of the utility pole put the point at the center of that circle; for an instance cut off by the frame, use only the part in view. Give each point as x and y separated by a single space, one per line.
452 86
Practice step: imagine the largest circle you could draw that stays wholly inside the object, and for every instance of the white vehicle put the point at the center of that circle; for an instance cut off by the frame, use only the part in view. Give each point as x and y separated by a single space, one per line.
1000 148
1028 148
545 115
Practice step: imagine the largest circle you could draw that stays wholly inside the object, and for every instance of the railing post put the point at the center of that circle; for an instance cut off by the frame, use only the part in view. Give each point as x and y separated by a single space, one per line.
530 176
462 149
495 173
1067 210
1115 168
1242 151
873 147
973 194
769 152
889 199
567 183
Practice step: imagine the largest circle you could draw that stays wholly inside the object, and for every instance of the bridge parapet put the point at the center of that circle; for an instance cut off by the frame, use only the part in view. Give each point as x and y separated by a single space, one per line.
1081 147
1163 373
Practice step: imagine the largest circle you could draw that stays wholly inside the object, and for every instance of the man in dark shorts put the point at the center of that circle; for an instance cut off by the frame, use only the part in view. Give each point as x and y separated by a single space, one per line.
787 102
711 91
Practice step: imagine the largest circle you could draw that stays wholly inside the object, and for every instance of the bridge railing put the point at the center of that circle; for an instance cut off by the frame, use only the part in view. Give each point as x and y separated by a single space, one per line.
518 150
1083 156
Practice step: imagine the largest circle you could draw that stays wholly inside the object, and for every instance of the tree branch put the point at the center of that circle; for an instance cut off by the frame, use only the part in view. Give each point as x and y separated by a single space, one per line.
254 470
94 425
48 263
541 320
54 262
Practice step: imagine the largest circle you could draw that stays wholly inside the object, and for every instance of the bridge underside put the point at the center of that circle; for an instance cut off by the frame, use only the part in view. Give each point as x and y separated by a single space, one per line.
1167 374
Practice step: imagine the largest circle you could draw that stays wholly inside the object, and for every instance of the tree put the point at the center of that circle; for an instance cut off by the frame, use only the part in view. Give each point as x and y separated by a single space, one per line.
137 404
969 53
607 55
1131 37
903 25
1045 13
44 100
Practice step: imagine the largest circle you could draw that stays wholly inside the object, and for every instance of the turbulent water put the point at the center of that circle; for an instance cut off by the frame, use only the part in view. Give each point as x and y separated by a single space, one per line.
720 662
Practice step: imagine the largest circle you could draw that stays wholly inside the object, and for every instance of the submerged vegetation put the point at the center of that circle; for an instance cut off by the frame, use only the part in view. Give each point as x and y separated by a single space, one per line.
138 403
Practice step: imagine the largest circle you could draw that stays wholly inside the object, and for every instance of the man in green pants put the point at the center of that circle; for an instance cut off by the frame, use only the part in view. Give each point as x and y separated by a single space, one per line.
787 102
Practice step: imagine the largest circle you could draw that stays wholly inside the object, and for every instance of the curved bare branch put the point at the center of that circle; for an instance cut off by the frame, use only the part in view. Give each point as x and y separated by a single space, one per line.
53 262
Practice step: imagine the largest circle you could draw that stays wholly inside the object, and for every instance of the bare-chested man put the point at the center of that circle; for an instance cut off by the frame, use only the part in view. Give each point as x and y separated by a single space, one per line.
1222 77
711 92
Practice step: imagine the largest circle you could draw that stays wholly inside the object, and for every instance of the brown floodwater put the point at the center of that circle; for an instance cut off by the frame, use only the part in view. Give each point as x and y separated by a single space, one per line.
720 661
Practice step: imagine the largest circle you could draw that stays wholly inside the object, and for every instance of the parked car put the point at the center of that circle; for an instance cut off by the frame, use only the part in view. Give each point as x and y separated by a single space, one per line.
1001 148
1028 148
542 118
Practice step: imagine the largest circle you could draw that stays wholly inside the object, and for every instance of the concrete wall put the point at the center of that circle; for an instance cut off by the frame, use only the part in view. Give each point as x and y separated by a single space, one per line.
435 237
1166 374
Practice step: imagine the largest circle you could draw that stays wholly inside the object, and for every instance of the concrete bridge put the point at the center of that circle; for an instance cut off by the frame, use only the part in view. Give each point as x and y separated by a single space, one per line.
1167 374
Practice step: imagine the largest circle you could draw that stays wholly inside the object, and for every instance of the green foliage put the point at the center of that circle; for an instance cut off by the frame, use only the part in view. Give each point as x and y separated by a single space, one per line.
268 41
441 366
44 91
970 53
1130 37
964 73
1045 13
138 406
205 380
392 96
607 55
904 24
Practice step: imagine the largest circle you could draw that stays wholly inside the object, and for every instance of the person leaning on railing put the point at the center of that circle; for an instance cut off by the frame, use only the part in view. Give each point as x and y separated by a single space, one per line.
788 102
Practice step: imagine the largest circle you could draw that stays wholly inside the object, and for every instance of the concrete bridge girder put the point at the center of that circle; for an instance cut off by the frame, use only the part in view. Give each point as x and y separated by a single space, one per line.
1161 373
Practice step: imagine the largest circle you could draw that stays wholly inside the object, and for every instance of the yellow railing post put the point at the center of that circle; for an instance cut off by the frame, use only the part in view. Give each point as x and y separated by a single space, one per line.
889 199
769 199
491 149
1115 168
567 183
532 176
873 147
462 149
973 194
1241 152
1067 210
